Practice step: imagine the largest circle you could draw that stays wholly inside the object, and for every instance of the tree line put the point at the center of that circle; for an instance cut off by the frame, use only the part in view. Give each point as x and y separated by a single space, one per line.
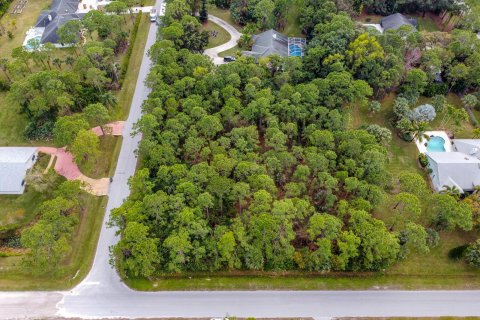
250 166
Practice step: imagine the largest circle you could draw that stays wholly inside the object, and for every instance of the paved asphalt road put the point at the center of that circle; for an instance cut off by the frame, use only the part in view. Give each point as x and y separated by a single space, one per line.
102 294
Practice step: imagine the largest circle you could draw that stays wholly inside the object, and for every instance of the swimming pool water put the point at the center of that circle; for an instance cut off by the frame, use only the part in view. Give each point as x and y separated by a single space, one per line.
295 50
436 144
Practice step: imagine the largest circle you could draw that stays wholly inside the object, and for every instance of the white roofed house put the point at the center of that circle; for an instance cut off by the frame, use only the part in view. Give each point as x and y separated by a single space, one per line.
14 164
459 168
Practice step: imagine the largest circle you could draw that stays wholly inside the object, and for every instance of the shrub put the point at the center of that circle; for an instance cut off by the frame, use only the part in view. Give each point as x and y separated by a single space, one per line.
472 254
423 113
458 252
4 85
422 158
433 238
436 89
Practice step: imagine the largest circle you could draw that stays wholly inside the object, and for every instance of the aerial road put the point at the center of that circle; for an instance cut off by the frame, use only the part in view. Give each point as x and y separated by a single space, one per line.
102 293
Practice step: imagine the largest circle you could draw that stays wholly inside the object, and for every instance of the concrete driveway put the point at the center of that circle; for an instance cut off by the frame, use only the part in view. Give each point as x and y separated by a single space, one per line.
234 36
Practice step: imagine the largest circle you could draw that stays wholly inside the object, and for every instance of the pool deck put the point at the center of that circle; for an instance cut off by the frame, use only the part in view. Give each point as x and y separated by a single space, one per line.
442 134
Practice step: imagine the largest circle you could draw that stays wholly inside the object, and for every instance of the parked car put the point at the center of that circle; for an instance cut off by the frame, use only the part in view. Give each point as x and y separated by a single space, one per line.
228 59
153 15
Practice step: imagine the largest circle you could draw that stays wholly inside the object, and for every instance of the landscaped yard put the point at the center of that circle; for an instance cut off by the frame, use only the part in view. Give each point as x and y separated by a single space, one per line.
221 35
426 24
403 158
19 210
77 263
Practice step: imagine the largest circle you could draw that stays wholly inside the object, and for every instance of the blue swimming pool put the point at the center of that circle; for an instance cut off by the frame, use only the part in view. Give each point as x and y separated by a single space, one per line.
295 50
436 144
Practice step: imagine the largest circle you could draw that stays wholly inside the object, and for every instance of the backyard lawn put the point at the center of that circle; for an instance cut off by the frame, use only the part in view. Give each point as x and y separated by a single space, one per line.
221 36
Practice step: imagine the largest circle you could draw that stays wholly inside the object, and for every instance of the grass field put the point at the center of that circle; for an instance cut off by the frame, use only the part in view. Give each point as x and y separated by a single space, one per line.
297 281
104 162
230 52
292 27
77 264
222 35
426 24
224 15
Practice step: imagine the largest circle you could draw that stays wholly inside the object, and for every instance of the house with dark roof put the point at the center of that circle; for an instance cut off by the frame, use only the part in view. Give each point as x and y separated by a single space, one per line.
272 42
59 13
397 20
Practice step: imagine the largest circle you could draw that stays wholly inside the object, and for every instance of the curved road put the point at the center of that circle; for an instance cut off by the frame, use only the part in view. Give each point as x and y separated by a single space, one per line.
234 36
102 294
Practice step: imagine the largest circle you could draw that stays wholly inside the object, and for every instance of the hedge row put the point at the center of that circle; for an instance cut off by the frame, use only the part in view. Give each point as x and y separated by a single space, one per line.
133 36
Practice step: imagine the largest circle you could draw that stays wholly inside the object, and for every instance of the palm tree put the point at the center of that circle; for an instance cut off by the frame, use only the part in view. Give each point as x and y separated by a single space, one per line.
418 131
451 191
108 99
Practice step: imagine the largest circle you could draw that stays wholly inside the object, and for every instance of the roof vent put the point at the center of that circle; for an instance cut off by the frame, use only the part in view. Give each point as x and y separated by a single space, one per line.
473 151
274 36
466 158
49 17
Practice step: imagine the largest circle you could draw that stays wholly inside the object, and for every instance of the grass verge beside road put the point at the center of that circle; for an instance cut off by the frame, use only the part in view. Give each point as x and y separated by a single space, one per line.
306 282
125 96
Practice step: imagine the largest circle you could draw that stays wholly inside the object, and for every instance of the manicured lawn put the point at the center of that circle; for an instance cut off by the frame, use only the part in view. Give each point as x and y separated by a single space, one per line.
222 35
102 167
230 52
224 15
426 24
298 281
12 125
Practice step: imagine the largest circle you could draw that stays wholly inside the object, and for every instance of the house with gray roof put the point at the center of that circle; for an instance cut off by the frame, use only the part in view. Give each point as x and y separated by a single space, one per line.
14 164
397 20
59 13
272 42
459 168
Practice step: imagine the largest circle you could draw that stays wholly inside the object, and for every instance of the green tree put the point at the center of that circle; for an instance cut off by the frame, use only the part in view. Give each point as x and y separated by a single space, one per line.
85 147
473 254
137 251
97 115
67 127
